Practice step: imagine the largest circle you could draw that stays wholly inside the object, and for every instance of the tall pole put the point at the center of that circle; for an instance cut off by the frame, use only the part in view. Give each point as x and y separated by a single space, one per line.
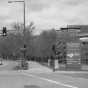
24 20
24 30
24 42
23 1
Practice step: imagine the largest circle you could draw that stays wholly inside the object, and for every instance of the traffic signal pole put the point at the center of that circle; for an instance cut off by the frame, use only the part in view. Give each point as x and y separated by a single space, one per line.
3 35
24 46
24 40
24 19
24 30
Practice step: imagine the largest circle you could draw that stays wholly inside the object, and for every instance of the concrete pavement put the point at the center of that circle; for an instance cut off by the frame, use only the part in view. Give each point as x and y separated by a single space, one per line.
15 79
19 80
61 80
41 77
67 79
35 67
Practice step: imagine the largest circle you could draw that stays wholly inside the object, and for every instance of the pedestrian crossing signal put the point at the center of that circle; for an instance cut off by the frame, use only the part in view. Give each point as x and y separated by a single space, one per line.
4 31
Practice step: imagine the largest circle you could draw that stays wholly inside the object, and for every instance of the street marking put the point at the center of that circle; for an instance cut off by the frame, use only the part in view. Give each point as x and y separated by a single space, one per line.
51 81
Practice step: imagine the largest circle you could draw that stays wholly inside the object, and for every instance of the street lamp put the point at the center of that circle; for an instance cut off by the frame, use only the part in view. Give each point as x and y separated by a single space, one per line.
23 1
23 12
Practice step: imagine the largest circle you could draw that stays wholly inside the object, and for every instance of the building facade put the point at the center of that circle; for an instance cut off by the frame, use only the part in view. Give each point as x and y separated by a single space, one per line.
73 47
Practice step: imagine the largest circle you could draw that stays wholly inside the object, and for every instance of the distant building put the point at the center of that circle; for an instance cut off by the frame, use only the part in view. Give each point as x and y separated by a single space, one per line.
75 34
82 28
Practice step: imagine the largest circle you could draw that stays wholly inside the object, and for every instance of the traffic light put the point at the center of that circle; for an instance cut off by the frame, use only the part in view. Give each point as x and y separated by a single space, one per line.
25 46
54 49
4 31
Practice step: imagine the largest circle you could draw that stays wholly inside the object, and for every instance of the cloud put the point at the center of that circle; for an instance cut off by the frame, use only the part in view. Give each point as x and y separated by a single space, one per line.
62 12
46 13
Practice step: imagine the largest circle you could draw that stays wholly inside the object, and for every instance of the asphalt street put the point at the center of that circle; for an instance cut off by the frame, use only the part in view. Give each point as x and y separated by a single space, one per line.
40 77
7 65
19 80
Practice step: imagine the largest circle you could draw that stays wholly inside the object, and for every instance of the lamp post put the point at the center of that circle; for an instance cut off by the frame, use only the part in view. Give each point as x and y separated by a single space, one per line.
24 46
23 12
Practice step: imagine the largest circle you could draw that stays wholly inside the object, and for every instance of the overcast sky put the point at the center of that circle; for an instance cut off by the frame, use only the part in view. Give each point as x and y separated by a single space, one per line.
45 13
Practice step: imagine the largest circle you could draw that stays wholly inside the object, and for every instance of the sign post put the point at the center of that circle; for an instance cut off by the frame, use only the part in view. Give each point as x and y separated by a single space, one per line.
24 64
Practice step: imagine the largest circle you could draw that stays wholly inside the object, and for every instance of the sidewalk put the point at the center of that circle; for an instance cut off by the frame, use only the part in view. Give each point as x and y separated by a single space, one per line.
60 71
4 63
35 67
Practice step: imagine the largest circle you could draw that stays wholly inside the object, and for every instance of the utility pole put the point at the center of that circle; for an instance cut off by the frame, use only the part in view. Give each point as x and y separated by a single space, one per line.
24 30
24 18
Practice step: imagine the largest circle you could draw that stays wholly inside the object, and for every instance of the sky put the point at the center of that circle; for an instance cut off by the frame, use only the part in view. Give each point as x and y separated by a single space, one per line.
45 14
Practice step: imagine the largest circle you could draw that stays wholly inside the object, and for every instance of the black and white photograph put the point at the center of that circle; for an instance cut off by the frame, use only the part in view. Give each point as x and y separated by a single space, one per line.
43 43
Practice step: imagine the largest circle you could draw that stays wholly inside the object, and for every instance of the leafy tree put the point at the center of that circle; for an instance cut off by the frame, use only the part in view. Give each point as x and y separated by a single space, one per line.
13 42
43 43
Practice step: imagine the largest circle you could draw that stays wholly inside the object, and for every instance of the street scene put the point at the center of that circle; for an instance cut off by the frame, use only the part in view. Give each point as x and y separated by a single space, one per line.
43 44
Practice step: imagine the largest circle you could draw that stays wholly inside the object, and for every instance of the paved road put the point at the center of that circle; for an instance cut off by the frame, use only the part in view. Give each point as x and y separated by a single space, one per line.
83 75
70 82
19 80
40 78
10 79
8 65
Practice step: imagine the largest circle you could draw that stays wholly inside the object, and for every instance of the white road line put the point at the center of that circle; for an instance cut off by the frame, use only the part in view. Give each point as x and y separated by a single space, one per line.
49 80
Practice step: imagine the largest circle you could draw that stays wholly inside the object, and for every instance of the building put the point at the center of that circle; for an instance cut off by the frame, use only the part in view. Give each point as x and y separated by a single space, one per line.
75 37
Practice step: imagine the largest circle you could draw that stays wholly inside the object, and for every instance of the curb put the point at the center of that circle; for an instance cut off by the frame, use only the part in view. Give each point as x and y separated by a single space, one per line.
86 72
